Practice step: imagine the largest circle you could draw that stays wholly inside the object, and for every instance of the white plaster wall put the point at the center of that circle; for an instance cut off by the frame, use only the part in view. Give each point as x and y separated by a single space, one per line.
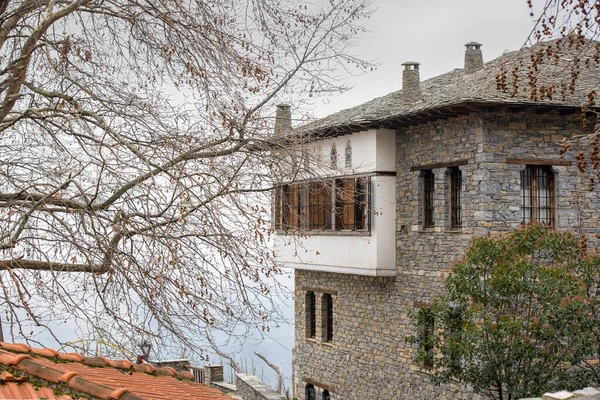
372 150
360 253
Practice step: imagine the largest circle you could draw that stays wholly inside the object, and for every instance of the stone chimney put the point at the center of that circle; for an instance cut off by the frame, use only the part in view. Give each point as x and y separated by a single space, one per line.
212 374
283 118
473 57
411 81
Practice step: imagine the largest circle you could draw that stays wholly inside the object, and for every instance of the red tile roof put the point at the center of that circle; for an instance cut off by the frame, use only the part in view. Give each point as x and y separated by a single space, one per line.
30 373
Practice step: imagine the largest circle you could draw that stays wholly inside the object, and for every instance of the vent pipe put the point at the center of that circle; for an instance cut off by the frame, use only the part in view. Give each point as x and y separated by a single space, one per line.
283 118
473 57
411 81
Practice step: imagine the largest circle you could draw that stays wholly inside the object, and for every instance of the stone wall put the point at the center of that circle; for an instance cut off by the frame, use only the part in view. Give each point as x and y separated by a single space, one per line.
249 387
368 357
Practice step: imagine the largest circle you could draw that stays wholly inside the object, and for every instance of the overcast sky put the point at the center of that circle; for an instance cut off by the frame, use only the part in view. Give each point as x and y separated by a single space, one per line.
432 32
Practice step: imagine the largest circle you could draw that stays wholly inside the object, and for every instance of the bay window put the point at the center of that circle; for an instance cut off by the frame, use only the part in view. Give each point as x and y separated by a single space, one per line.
341 204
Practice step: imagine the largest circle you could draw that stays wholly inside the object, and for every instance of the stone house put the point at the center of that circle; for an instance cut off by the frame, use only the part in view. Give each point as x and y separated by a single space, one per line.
398 188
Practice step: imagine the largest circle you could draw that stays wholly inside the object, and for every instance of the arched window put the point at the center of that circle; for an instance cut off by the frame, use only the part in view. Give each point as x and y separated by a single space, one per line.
348 155
309 392
306 158
326 395
333 156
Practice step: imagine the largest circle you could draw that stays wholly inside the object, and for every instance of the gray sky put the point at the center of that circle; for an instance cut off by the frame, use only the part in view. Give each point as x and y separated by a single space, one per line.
432 32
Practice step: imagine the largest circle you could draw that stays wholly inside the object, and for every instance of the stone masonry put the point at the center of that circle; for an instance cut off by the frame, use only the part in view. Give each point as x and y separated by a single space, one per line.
369 357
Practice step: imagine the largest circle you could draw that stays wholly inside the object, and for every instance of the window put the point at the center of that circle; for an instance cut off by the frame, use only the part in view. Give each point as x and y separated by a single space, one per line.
340 204
326 395
348 163
454 331
455 197
306 159
352 204
311 315
309 392
537 195
428 191
327 317
319 203
425 320
333 156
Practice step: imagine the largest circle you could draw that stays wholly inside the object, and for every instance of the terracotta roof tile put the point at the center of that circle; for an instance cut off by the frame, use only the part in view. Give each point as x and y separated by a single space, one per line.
77 376
15 347
71 357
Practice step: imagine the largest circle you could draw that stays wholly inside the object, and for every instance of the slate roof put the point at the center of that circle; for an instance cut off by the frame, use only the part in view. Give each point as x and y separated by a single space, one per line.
458 87
30 373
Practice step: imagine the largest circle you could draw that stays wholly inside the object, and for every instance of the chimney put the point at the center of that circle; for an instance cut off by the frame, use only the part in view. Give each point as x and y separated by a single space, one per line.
411 82
283 118
212 373
473 57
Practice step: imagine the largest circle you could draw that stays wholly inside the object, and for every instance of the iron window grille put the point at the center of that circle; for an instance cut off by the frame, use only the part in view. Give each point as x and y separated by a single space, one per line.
328 316
428 198
311 315
455 197
537 195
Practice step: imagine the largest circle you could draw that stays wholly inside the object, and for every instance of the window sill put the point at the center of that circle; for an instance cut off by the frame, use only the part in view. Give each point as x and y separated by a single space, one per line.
420 229
323 233
315 341
455 230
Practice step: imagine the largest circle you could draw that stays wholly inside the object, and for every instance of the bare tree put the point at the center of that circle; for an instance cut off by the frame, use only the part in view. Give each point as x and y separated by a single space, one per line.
134 185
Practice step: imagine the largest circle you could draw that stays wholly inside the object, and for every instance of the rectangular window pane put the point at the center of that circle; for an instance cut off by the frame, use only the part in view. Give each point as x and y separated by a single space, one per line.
362 204
311 315
327 316
344 207
428 191
426 322
455 198
320 205
537 193
526 204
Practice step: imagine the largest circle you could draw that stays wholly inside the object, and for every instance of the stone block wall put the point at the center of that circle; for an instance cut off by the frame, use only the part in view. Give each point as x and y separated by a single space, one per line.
249 387
368 357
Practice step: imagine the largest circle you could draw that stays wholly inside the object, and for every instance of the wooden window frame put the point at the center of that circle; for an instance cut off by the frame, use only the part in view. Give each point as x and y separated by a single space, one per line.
534 192
340 204
319 205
